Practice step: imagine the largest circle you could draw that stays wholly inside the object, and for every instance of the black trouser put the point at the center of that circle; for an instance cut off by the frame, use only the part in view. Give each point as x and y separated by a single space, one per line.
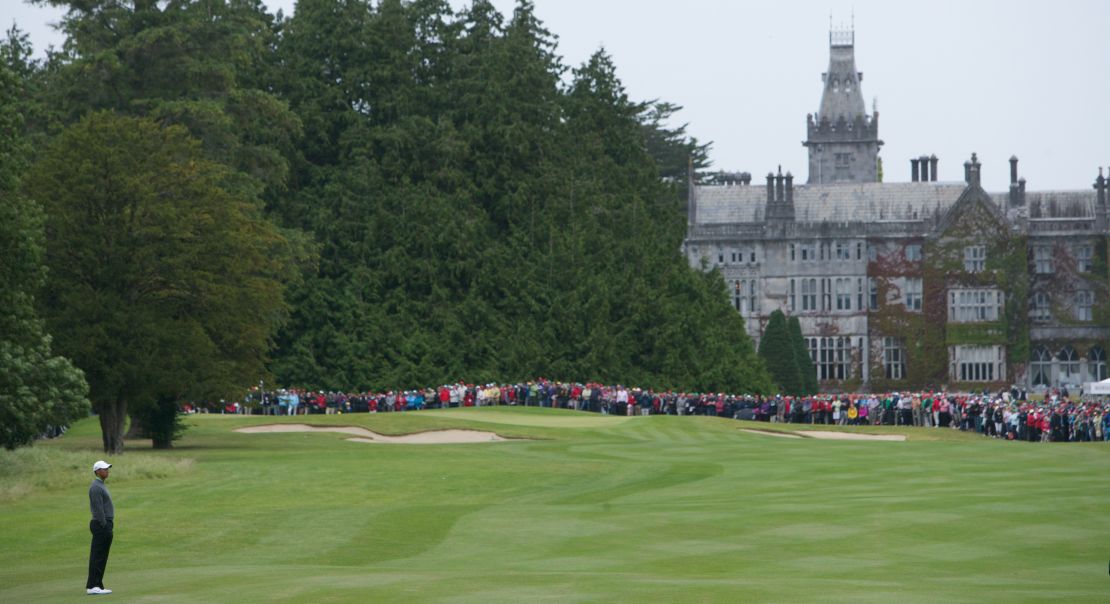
98 553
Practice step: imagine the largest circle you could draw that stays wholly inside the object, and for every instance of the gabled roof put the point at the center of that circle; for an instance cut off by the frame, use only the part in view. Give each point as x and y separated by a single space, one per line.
972 197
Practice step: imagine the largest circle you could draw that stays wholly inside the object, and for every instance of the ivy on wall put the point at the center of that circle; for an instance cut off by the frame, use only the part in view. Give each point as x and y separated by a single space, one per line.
892 318
1061 286
927 334
1101 270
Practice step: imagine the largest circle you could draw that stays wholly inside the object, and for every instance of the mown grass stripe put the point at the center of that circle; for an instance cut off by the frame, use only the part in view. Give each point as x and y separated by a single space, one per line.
658 509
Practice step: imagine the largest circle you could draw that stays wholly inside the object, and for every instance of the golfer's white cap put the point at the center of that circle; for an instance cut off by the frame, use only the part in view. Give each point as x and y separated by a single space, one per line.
101 465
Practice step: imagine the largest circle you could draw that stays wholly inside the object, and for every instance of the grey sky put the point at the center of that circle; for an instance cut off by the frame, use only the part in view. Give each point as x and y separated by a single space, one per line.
951 77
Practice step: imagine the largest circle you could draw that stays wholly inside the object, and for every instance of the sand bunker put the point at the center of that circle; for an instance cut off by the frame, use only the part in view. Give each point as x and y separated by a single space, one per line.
771 433
850 435
362 435
829 435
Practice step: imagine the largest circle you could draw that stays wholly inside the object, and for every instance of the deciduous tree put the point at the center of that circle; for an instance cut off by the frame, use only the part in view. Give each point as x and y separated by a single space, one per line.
38 389
164 282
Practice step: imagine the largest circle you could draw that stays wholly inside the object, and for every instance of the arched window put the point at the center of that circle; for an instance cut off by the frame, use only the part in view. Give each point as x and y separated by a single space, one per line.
1069 362
1096 368
1040 367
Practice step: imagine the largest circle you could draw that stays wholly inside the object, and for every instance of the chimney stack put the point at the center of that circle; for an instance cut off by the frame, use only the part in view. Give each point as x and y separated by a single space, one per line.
924 161
973 170
779 193
933 167
913 169
789 188
770 187
1017 186
1100 186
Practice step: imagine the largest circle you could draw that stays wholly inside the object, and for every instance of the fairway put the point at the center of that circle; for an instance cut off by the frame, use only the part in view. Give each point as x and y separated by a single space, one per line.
574 508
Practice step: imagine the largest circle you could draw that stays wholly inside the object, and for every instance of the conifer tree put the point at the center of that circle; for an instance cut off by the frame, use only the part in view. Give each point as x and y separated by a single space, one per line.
777 351
805 363
474 215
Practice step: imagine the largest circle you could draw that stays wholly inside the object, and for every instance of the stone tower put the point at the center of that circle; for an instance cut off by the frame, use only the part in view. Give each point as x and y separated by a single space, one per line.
843 141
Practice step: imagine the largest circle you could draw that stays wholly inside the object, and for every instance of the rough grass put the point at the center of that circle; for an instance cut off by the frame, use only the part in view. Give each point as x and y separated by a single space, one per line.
46 468
657 509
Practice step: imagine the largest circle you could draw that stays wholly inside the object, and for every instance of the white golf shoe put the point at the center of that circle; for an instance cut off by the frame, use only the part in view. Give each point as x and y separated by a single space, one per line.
97 591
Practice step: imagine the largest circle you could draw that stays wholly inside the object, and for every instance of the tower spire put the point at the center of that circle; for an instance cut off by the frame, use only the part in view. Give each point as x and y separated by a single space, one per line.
843 140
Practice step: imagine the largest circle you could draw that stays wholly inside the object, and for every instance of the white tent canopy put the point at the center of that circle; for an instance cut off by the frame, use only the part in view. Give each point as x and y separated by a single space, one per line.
1097 388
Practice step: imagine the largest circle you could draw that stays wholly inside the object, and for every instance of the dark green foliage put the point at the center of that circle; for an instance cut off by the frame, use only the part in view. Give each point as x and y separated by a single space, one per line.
479 220
163 281
476 214
207 65
37 389
805 362
159 420
674 152
777 350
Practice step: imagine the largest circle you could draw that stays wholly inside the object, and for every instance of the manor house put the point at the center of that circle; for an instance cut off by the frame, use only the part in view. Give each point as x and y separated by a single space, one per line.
913 284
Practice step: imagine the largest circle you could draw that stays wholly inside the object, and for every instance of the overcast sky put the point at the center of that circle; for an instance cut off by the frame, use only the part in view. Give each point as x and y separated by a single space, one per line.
1000 78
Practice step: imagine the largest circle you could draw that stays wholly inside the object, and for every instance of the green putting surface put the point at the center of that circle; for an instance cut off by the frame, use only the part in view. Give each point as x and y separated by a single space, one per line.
589 509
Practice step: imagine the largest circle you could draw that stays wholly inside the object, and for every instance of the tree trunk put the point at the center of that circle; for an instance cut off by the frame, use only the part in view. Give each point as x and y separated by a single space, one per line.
159 442
135 428
112 416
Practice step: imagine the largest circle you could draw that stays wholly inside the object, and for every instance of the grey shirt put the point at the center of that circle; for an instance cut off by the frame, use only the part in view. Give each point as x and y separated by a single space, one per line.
100 502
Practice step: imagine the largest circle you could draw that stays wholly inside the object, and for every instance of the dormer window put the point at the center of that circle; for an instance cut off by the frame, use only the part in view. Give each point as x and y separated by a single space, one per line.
975 258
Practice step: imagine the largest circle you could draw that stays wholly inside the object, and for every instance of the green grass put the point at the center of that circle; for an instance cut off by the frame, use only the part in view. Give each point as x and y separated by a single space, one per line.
590 509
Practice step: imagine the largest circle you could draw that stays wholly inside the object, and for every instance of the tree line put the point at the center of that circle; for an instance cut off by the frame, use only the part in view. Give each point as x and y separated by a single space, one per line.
360 194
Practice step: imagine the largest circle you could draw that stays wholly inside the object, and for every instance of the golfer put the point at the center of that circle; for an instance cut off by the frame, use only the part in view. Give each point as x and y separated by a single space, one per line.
103 518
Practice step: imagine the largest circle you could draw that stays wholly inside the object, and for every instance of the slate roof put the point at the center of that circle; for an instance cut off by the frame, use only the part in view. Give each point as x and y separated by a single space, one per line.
847 202
842 102
1061 204
875 202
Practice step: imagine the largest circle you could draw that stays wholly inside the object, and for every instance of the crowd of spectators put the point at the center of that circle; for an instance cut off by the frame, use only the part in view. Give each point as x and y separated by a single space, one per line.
1006 415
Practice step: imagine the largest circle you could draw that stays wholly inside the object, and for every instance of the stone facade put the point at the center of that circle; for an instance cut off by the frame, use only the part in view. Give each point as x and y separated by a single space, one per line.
911 284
